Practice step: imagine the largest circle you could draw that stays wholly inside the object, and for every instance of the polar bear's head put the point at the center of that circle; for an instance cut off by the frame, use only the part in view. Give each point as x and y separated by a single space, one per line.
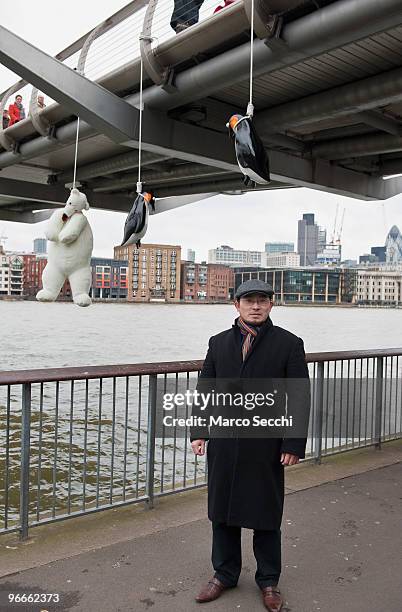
77 202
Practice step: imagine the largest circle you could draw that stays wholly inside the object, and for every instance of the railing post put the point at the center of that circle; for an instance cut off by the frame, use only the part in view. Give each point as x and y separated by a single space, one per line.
378 401
25 447
150 480
319 407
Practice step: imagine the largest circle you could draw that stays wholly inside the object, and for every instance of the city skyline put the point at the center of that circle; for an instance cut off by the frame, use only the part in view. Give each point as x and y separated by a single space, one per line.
215 223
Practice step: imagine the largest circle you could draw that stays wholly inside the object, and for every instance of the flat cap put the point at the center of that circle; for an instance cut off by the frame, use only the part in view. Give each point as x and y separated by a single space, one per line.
254 286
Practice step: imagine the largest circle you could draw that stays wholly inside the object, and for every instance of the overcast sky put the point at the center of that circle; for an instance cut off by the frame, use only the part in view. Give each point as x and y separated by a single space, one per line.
244 222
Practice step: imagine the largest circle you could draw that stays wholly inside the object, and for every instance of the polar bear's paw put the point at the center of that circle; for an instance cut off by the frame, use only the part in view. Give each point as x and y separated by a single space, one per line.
45 296
82 299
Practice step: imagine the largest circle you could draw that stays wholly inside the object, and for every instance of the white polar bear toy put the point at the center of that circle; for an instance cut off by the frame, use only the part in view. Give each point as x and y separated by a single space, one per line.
70 250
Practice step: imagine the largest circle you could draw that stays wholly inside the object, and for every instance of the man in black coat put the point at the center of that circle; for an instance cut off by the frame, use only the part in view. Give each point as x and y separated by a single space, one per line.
246 474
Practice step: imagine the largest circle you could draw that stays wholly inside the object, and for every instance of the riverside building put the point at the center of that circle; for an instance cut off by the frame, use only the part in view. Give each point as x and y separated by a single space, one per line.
11 269
206 282
153 272
109 278
228 256
309 285
379 287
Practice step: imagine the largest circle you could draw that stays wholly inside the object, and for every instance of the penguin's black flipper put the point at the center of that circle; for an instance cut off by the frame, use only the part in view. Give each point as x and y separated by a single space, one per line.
135 218
250 151
251 155
260 154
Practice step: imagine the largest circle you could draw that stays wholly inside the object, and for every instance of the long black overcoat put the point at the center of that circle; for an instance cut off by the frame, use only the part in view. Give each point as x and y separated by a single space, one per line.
245 476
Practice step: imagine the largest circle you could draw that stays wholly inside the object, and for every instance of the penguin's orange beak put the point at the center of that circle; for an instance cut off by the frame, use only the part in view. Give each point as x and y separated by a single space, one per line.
233 121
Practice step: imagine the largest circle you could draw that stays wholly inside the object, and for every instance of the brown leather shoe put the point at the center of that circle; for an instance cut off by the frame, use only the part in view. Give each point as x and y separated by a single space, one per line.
212 590
272 598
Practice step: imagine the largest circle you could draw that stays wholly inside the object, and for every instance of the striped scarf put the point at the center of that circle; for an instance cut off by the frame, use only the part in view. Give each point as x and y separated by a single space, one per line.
249 332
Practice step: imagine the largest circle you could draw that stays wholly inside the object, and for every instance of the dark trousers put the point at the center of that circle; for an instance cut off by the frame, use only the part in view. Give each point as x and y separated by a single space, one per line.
186 11
226 554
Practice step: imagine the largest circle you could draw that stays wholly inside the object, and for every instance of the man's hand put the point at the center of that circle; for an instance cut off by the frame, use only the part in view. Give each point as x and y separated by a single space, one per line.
288 459
198 447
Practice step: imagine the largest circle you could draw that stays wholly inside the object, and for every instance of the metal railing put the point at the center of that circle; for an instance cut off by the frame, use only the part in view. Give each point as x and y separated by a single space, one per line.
79 440
114 48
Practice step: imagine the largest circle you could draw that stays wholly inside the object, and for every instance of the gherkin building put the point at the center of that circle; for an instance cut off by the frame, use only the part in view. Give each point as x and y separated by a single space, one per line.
393 245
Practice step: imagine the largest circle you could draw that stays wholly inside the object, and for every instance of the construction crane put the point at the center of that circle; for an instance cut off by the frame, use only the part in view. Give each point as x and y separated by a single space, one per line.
338 240
334 230
332 253
3 239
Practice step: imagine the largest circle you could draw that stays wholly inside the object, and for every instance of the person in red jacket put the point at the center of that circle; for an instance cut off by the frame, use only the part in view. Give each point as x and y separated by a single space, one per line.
16 110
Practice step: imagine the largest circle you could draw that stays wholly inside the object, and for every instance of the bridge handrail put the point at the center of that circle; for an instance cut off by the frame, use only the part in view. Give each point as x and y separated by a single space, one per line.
15 377
50 420
38 119
77 45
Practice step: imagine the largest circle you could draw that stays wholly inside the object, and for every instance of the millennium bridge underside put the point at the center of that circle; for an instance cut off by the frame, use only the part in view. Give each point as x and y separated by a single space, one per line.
327 95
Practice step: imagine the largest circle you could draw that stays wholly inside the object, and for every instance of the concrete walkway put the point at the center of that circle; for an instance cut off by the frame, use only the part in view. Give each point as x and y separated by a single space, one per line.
342 537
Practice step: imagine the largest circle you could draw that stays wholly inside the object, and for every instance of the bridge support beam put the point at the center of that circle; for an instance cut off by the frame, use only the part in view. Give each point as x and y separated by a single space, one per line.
105 112
24 216
102 109
37 195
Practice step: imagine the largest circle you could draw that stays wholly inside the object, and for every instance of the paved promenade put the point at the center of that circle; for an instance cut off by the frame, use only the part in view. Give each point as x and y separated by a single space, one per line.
342 537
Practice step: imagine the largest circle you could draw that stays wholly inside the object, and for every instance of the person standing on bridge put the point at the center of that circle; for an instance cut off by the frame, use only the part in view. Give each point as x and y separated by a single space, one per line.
41 101
185 14
6 119
16 110
246 475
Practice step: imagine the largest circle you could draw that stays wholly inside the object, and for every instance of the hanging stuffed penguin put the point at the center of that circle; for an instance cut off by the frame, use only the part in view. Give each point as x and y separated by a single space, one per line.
250 152
137 220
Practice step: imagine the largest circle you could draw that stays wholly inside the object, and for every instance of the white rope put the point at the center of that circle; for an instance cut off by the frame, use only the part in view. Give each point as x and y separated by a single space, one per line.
139 183
250 106
76 151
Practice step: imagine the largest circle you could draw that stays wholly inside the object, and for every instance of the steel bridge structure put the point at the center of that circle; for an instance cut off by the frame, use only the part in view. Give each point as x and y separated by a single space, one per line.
327 95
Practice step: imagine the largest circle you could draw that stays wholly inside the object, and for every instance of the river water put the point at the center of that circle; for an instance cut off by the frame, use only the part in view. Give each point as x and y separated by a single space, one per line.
34 335
83 453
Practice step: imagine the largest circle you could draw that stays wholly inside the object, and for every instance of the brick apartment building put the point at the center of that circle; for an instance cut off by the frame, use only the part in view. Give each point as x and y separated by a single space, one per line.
206 282
153 272
193 281
220 282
